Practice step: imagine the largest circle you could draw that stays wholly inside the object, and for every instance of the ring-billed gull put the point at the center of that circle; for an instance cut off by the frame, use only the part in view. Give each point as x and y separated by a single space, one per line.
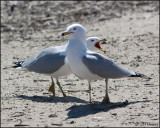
91 65
52 61
93 43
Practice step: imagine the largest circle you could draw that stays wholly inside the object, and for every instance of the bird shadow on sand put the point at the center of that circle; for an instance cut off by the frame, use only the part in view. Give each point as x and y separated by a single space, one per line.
52 99
77 111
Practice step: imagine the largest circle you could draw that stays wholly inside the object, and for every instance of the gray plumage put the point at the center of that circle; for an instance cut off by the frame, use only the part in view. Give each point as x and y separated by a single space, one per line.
104 67
47 61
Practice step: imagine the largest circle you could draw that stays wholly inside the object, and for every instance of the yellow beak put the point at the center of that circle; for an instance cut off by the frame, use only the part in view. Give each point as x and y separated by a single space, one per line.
66 33
103 40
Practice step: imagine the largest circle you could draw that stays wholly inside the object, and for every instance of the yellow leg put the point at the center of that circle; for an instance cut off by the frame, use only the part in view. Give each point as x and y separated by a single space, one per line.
52 87
64 95
90 101
106 98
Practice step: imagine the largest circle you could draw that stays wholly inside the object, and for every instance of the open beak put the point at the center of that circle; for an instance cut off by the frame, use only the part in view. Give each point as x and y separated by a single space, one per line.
66 33
97 45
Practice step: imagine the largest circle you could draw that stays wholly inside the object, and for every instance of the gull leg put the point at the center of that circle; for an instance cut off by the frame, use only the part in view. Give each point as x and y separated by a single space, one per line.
106 98
64 95
52 87
90 102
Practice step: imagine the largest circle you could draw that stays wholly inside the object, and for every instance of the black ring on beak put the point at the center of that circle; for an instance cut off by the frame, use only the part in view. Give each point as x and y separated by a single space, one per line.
62 34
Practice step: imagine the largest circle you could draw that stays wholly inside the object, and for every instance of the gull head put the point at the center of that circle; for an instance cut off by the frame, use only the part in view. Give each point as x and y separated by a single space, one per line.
75 31
93 43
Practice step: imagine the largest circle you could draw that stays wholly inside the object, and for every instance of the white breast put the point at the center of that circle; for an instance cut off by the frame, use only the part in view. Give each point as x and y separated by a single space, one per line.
76 49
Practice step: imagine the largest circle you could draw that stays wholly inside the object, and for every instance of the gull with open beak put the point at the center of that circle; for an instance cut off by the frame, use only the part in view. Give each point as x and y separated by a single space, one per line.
91 65
93 44
52 61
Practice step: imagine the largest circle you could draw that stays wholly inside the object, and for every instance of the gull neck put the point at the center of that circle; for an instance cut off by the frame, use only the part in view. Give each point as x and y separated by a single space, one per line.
77 46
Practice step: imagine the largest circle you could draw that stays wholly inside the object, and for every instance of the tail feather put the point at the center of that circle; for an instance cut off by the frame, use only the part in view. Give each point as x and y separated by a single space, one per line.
17 64
140 75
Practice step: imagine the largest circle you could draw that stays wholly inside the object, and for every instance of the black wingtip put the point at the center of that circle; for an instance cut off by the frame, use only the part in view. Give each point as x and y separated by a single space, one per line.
17 64
141 75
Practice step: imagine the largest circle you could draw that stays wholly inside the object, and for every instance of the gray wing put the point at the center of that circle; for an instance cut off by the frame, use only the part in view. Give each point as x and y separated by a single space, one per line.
104 67
47 61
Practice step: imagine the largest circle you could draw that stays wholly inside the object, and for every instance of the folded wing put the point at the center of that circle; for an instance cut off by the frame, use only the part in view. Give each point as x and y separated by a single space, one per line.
47 61
104 67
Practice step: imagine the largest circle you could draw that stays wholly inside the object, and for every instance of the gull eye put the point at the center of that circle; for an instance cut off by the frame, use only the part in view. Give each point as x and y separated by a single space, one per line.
74 28
92 40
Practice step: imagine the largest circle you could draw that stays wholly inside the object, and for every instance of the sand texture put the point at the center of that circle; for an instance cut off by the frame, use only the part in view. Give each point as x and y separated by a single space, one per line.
132 29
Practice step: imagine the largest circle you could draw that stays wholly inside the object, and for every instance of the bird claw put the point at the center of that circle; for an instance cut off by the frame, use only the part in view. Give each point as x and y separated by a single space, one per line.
64 95
105 100
52 90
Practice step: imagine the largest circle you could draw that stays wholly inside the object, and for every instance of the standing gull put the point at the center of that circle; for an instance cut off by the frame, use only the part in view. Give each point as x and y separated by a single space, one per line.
91 65
52 61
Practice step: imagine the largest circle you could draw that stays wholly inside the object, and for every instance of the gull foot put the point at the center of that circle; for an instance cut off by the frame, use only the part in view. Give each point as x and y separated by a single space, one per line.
105 100
51 89
64 95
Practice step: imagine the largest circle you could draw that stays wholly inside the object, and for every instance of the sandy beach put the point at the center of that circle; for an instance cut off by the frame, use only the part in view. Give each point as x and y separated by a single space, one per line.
132 30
